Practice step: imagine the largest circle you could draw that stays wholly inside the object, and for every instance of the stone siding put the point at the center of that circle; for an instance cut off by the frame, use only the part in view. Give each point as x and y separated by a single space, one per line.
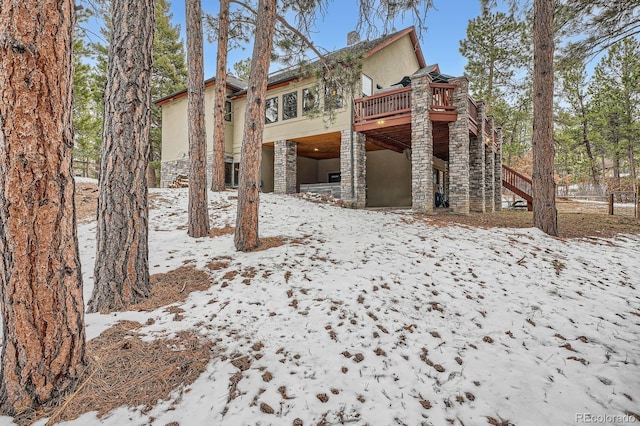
497 197
459 149
477 166
353 183
422 197
285 167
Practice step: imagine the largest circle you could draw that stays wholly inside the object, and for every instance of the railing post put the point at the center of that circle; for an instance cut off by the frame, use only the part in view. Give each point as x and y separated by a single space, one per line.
611 204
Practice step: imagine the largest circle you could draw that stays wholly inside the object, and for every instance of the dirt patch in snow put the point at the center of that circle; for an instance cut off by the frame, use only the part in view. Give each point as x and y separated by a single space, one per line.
173 286
570 223
124 370
86 199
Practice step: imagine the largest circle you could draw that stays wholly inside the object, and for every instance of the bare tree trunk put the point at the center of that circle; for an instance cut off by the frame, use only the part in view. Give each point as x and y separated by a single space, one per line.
246 235
545 215
43 347
122 250
217 181
587 143
632 165
198 206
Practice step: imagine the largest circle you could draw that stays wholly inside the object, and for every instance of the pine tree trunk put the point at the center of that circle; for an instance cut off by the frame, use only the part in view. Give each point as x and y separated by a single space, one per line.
122 266
198 207
545 215
587 143
217 181
246 235
43 347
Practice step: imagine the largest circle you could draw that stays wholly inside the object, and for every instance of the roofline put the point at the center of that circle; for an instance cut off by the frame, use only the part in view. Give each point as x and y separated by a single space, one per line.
182 93
411 31
242 92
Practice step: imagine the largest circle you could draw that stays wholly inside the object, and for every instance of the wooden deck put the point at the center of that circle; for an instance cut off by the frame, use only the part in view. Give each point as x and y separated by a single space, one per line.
385 118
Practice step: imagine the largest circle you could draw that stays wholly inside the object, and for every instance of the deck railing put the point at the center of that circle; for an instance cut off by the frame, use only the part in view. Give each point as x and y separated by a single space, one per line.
398 101
442 96
517 183
473 111
382 105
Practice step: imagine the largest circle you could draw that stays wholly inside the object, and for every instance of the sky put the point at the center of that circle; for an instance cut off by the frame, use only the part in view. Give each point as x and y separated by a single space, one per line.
447 24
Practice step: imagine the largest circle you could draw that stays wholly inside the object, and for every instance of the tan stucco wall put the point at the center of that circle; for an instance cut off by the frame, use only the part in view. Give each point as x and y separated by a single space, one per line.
388 179
307 171
388 66
266 169
175 137
327 166
293 128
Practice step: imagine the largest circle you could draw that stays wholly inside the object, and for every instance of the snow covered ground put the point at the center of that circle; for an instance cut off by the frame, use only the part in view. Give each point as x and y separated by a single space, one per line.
379 318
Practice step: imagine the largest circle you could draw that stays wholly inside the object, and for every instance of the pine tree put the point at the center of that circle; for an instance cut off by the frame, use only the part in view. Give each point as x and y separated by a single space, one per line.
575 92
122 266
217 181
246 235
169 75
497 50
87 108
545 215
169 70
616 88
198 225
43 344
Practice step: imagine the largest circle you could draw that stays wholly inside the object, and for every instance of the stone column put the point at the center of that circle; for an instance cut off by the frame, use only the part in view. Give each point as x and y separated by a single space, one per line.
498 174
353 183
422 195
459 149
489 163
284 167
476 166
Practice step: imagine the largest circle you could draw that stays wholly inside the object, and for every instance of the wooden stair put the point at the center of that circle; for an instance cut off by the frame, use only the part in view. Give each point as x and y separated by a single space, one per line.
519 184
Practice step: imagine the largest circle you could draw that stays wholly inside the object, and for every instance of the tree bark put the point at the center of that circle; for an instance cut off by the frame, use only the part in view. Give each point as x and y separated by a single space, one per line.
43 347
545 215
217 181
246 235
122 266
198 206
586 142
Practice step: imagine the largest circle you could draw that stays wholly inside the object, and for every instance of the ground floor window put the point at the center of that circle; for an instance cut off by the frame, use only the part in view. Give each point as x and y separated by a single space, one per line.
231 171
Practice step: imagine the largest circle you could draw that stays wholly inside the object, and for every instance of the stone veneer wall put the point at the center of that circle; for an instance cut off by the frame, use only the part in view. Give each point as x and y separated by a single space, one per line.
284 167
353 185
459 149
490 170
476 166
421 145
169 170
498 174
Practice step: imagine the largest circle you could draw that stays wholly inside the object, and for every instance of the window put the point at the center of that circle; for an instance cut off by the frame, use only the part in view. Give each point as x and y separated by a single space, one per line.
289 105
271 110
227 111
309 99
367 85
332 96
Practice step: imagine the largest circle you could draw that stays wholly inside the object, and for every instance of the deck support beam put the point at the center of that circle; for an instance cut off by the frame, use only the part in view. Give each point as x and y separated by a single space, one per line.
353 173
285 167
477 171
459 149
498 173
422 191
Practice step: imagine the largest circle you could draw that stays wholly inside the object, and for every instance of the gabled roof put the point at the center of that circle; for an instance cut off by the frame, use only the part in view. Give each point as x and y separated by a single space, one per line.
281 77
366 48
233 83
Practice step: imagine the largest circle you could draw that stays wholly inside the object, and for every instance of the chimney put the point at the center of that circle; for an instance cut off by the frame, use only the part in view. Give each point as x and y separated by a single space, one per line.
352 38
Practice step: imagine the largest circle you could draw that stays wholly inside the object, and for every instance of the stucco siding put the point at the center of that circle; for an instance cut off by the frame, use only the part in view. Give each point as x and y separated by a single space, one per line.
388 66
